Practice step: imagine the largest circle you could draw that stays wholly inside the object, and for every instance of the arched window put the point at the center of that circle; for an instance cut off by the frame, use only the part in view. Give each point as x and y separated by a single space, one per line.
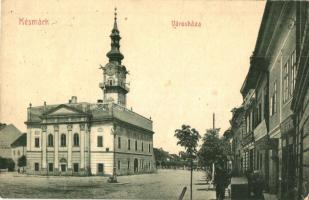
76 139
63 140
50 140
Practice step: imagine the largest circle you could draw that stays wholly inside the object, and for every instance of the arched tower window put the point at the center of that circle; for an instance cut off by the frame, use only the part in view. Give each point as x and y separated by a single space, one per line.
50 140
76 139
110 81
63 141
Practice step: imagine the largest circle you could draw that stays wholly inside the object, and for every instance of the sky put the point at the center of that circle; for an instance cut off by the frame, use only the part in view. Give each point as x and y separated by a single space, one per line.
177 75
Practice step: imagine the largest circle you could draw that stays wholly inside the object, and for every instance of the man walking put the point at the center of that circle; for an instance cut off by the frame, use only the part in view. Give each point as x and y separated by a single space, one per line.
221 181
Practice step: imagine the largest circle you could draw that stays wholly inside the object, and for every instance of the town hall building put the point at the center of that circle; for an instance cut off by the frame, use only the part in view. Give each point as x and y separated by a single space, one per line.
103 138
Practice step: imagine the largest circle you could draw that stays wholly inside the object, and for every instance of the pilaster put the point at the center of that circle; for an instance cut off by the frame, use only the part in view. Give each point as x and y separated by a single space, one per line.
44 152
69 127
56 148
82 146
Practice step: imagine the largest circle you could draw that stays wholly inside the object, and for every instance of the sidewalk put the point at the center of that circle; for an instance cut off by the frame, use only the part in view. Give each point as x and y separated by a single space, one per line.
268 196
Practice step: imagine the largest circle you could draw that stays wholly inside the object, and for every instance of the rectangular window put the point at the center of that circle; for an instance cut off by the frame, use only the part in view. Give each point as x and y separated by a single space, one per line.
265 113
293 72
119 143
273 100
135 145
129 144
50 167
247 123
261 161
258 161
75 167
149 147
128 164
36 167
271 106
286 82
260 112
37 142
100 141
100 167
118 164
142 146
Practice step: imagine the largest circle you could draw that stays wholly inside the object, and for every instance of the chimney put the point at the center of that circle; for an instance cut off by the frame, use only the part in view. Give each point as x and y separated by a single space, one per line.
73 99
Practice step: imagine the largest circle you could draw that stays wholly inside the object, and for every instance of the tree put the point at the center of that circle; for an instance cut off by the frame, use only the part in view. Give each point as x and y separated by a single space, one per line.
22 162
188 138
160 156
213 149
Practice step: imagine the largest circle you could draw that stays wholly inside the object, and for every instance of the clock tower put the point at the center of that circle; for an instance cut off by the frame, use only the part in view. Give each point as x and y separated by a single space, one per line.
114 73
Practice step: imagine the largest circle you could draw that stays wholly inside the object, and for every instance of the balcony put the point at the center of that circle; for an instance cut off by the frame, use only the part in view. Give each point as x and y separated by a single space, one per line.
107 85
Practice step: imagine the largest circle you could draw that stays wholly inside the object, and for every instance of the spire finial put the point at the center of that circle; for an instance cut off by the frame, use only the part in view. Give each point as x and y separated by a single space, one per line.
115 13
115 19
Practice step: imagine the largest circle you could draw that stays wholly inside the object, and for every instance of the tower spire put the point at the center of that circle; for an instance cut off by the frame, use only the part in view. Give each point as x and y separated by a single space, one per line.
114 54
115 19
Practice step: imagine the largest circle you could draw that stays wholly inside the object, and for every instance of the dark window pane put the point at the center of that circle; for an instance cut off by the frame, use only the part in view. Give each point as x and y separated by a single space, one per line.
100 141
37 142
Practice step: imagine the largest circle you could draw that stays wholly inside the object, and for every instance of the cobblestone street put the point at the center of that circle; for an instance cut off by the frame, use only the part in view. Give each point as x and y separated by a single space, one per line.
166 184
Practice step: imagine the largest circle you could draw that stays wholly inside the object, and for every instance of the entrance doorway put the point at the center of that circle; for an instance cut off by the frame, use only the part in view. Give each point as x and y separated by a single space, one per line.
63 167
135 165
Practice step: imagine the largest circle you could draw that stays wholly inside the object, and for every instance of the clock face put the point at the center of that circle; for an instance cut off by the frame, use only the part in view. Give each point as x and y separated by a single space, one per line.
110 69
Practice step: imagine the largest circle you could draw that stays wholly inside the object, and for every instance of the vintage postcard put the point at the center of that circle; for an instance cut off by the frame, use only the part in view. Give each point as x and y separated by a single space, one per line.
144 99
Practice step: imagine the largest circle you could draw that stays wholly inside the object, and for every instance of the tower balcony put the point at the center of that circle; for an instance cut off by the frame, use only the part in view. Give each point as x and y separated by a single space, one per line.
111 86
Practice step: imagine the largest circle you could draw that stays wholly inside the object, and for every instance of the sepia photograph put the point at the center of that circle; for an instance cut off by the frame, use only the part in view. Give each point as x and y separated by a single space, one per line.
166 99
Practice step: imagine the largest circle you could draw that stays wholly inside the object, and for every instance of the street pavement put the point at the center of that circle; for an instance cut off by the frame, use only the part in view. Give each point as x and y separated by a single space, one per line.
165 184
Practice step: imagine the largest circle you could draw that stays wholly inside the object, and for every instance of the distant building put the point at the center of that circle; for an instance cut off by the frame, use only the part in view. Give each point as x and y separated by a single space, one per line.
8 134
103 138
18 148
238 129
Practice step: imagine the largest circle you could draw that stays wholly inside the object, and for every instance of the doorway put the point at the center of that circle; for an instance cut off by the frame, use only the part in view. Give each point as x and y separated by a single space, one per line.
63 167
135 165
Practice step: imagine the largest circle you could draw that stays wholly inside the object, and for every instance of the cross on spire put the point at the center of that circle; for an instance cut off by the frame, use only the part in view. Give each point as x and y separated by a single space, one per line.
115 13
115 19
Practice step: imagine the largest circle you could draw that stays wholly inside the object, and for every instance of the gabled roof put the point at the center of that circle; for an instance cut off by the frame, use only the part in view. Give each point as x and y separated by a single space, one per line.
63 109
8 134
21 141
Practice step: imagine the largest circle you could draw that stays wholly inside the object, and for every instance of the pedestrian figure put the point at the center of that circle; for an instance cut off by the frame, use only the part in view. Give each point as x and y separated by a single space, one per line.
208 176
221 181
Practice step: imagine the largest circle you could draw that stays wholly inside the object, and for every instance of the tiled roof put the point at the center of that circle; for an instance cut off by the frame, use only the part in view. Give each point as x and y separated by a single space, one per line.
97 112
8 134
21 141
